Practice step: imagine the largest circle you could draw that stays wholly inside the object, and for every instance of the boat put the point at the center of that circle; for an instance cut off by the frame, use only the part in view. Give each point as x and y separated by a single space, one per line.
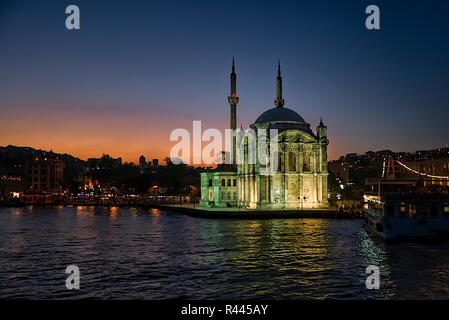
407 215
402 208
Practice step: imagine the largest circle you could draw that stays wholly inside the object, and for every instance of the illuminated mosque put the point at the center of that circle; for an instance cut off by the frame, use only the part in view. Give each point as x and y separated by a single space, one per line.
300 179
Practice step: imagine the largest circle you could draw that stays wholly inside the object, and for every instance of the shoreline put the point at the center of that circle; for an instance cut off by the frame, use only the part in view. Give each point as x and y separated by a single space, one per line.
216 213
262 214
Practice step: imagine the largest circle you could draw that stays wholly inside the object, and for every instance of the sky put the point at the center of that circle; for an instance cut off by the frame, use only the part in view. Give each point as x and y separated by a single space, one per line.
136 70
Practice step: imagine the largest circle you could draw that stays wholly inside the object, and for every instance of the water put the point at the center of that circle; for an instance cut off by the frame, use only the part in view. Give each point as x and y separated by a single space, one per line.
131 253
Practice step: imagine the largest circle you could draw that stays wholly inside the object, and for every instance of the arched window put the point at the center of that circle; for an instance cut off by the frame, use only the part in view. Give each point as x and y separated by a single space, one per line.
291 161
281 162
306 162
275 164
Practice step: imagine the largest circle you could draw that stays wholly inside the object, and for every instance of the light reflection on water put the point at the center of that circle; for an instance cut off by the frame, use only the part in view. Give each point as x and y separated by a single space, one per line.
126 253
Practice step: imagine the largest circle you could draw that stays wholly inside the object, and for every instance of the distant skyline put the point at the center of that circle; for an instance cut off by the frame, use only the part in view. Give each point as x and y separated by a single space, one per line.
149 160
136 70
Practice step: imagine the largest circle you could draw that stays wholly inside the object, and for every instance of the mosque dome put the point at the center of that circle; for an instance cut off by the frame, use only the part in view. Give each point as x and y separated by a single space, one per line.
279 114
281 119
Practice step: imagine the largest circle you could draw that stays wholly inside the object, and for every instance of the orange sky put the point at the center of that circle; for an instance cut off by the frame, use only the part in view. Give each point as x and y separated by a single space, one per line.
114 133
87 130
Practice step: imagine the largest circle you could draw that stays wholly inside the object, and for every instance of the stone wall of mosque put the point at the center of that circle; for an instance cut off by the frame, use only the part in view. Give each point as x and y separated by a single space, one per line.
300 180
218 189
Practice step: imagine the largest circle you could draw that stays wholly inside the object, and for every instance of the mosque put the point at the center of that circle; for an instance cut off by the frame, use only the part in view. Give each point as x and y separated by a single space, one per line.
300 177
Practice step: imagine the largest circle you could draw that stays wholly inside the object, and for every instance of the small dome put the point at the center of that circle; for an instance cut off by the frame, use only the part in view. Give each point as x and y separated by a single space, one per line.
279 114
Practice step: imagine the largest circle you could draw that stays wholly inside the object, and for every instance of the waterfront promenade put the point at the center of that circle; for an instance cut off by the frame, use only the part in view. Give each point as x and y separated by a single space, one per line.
225 213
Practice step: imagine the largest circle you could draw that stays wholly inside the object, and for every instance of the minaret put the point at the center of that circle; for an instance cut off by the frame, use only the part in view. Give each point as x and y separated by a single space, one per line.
233 100
321 130
279 102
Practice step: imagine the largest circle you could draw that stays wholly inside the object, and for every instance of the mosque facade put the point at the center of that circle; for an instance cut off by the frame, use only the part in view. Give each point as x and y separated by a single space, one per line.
299 178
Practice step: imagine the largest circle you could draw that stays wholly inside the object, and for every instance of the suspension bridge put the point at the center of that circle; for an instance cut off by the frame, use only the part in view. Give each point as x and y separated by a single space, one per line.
397 172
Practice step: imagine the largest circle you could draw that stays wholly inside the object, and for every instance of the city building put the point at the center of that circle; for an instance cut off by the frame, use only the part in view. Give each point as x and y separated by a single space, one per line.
300 178
340 170
44 174
10 187
142 164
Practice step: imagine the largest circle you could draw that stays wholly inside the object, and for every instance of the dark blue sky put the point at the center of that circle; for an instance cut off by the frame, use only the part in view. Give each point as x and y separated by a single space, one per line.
138 69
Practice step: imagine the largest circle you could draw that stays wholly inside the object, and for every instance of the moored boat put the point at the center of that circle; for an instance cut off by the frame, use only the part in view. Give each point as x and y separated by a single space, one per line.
410 215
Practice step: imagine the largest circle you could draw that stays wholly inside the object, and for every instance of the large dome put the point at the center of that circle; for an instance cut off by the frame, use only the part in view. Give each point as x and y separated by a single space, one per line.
279 114
282 119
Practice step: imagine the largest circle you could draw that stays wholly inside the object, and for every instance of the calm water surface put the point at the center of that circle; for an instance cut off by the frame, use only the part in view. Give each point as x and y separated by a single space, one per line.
127 253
